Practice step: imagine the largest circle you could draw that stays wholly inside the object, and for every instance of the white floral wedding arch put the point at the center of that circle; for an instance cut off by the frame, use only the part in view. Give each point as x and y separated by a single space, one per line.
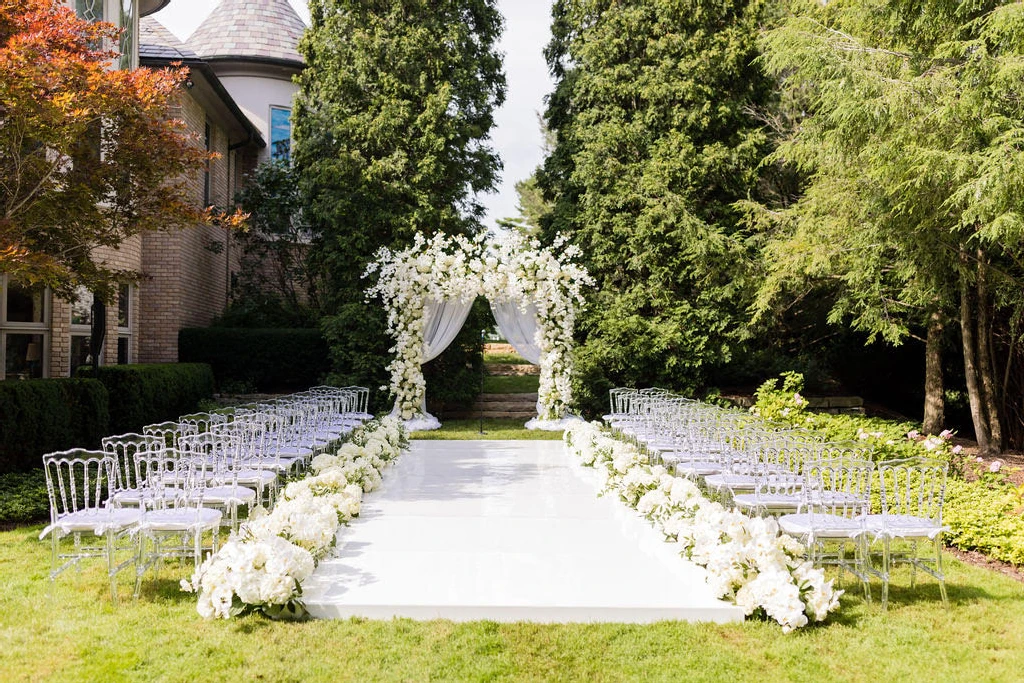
429 287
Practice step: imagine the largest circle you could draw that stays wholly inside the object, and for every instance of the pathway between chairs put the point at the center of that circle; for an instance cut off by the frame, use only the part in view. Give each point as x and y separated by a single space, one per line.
505 531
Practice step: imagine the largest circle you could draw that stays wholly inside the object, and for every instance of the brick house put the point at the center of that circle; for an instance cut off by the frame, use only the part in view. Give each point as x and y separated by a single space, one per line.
186 274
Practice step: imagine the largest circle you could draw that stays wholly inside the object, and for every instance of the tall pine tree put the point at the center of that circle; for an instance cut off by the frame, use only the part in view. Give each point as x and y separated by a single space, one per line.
912 141
655 143
391 137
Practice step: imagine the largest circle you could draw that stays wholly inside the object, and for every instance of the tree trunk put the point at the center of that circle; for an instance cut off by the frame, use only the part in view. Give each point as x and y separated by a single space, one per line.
981 432
986 368
934 401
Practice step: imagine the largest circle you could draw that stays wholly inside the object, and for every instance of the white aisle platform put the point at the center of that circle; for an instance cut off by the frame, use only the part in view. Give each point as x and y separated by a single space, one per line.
504 531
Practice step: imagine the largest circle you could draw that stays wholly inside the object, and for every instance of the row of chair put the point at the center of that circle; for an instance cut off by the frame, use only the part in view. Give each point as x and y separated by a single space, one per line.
829 495
167 491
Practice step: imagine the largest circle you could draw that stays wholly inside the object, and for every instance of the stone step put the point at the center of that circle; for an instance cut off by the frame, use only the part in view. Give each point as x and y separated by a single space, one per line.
523 415
511 369
503 407
507 398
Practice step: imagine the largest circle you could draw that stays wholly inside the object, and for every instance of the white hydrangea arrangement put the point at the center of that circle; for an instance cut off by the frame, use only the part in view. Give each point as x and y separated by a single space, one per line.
263 564
747 560
511 268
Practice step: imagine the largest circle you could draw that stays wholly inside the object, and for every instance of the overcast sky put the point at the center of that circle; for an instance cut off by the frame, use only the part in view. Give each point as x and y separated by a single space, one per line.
516 135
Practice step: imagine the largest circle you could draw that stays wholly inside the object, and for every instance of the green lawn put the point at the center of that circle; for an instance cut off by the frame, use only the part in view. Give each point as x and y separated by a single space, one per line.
76 634
469 430
511 384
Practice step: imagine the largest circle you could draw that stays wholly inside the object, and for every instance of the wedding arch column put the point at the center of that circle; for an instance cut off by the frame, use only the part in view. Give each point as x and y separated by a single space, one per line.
442 321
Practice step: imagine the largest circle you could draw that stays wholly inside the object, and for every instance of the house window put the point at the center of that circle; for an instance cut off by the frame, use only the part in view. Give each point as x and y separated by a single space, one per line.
280 133
122 14
81 329
90 10
124 325
127 25
24 330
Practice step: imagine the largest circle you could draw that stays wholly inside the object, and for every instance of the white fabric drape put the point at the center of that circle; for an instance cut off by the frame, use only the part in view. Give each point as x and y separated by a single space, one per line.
519 327
442 321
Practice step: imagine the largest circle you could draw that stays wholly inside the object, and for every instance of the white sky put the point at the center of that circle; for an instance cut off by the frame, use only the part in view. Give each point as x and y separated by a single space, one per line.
516 135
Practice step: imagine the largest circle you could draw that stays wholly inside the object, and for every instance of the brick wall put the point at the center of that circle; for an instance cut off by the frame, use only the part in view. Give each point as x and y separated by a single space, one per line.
188 272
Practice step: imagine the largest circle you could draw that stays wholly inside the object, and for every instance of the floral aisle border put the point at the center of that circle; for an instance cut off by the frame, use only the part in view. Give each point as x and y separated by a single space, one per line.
262 565
509 268
747 560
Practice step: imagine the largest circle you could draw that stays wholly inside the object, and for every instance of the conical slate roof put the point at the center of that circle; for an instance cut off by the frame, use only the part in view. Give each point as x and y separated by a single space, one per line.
156 42
263 30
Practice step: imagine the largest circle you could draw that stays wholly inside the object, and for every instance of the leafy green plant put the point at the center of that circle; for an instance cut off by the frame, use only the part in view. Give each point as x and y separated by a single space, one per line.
142 394
23 497
246 360
44 415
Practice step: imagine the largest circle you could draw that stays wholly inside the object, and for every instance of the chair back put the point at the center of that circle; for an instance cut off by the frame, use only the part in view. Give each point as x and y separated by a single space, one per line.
839 486
122 450
914 487
76 479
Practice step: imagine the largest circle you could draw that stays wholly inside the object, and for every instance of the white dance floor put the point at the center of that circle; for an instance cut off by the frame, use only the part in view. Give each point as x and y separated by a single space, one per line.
505 531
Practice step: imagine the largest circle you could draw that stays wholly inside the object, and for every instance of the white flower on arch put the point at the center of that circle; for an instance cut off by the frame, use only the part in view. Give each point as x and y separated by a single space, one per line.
509 268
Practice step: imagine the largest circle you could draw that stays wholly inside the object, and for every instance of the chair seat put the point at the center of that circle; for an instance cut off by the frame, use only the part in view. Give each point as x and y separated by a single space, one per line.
181 519
733 482
696 468
229 495
255 476
903 526
136 497
97 520
821 526
770 502
294 451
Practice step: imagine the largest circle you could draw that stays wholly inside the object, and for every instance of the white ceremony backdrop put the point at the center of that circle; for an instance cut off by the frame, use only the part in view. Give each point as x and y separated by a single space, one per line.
429 288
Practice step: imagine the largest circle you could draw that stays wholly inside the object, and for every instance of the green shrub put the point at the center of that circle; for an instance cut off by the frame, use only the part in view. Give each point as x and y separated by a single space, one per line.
44 415
255 359
23 497
143 394
985 514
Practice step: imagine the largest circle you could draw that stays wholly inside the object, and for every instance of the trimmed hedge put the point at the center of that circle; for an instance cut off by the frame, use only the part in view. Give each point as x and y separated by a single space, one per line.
143 394
42 415
258 359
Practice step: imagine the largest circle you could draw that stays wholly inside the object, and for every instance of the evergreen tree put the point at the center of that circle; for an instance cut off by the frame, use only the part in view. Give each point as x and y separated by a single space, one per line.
912 144
391 137
656 141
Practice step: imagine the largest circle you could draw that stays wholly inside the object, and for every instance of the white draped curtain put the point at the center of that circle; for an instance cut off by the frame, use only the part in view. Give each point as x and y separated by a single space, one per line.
442 321
519 327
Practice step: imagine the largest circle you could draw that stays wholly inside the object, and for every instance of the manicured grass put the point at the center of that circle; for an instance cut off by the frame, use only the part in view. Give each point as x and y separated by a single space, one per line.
508 358
514 384
76 634
469 430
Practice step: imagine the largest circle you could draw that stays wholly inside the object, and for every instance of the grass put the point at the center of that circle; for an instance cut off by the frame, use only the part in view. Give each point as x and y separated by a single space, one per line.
513 384
75 633
469 430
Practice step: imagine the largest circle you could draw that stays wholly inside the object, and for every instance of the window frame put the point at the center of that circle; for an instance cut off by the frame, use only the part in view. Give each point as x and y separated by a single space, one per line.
79 330
41 329
270 133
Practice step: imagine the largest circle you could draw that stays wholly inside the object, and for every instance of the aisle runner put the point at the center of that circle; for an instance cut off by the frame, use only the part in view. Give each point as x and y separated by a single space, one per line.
506 531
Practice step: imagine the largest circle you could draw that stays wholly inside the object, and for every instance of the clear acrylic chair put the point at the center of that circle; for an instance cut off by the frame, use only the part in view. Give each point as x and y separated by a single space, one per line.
175 528
222 488
912 496
838 499
127 487
170 431
78 486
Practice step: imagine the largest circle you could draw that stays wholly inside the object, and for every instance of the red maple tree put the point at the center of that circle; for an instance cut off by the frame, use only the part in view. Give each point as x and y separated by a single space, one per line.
89 155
